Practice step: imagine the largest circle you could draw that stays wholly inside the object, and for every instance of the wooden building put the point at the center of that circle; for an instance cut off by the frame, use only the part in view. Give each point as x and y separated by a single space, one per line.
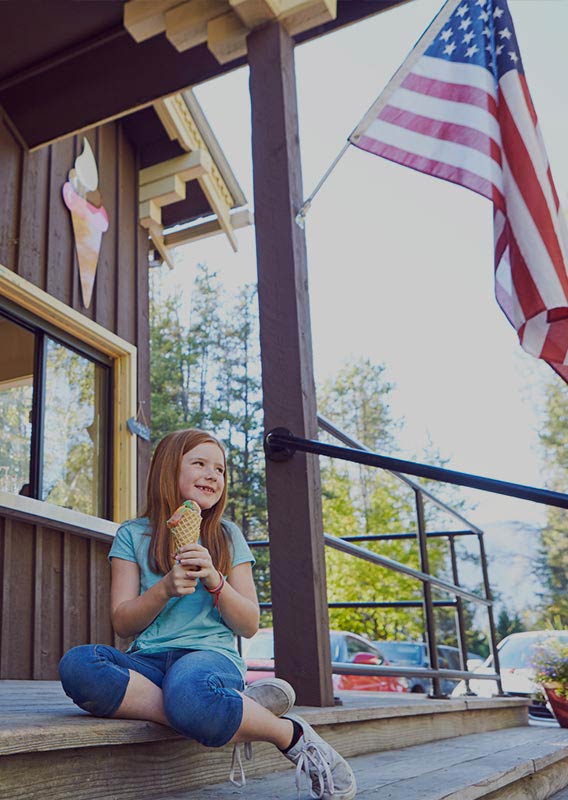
85 83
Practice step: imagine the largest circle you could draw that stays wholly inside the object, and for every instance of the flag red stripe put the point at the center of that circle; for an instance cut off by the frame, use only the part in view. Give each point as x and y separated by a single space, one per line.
456 92
447 172
525 287
447 131
531 190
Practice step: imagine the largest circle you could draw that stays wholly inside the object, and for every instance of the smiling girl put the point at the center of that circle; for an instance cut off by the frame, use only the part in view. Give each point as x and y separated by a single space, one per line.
183 610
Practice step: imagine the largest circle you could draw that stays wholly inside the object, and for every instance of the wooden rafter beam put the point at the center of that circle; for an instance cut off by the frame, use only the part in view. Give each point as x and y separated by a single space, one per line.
211 227
223 24
180 125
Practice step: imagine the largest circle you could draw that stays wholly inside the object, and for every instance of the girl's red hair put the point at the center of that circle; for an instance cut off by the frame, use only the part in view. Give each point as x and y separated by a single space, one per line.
163 497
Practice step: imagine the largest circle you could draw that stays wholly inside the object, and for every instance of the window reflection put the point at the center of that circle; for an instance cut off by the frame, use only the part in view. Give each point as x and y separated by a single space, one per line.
16 397
74 431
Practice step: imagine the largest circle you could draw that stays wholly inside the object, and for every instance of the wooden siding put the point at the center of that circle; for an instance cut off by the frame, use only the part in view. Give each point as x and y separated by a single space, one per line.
55 595
36 237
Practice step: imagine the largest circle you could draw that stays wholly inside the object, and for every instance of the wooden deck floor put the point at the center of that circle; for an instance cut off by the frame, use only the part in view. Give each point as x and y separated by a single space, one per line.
46 742
37 715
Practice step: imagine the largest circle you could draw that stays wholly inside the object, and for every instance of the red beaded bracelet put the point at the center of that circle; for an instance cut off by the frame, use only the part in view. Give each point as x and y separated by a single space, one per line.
217 590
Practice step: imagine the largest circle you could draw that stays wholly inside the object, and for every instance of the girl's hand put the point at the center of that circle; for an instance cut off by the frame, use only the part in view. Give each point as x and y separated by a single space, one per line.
196 560
178 582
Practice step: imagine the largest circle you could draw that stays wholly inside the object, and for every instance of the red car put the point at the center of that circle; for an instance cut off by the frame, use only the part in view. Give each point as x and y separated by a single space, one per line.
348 648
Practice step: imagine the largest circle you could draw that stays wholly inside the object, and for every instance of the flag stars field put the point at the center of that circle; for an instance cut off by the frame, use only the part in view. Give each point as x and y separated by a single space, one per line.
461 111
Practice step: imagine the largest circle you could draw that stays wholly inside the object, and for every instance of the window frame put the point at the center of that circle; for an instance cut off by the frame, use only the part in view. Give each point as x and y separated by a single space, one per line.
70 327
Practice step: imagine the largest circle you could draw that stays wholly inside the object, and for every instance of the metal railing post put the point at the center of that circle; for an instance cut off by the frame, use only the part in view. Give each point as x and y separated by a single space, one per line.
460 621
488 596
427 595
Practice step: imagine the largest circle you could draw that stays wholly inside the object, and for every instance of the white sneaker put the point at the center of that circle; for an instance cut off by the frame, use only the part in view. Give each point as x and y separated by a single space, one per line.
278 697
330 775
273 693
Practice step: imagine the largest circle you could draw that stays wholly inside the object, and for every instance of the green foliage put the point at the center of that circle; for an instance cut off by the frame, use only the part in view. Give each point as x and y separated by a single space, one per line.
507 624
205 374
552 561
362 500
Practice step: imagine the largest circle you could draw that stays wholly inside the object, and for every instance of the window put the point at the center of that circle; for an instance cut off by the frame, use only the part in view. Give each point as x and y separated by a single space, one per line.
355 646
54 421
35 311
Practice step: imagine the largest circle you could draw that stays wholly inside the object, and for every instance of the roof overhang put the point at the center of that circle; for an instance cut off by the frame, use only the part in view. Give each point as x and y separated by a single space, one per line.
66 66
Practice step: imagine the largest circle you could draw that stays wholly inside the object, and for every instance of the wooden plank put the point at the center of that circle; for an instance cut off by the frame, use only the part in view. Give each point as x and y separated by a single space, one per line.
240 219
296 532
125 323
143 379
253 13
34 219
309 15
48 604
163 191
187 167
60 314
186 24
493 766
191 766
60 244
100 629
227 38
10 166
75 591
17 606
104 290
143 19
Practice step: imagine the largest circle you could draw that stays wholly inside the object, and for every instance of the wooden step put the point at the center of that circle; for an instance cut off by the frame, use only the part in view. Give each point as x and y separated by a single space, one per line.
525 763
46 742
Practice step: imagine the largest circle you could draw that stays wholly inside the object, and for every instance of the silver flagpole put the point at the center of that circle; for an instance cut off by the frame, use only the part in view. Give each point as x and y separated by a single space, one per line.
301 215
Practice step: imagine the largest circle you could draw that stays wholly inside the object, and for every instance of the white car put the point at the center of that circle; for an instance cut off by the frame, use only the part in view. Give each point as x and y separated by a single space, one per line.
517 674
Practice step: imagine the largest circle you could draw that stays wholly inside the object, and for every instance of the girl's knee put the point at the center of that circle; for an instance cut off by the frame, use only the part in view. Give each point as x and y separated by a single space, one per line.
73 665
202 709
91 680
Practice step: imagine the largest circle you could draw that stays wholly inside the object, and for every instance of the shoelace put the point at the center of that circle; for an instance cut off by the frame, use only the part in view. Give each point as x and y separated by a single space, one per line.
237 763
312 761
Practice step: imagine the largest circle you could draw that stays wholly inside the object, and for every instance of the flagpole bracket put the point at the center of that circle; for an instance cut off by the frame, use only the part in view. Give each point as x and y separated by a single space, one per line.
300 218
278 452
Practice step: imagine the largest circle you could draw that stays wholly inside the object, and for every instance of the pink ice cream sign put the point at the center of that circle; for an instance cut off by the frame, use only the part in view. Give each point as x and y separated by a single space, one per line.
89 218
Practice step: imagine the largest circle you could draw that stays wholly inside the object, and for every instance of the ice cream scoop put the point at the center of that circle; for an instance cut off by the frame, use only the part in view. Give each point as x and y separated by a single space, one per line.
185 524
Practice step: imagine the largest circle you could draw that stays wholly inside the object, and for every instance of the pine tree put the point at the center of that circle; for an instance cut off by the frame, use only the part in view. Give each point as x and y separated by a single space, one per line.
552 562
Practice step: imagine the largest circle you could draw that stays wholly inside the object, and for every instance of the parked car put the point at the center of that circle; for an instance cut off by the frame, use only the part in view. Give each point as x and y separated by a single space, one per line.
346 647
415 654
517 674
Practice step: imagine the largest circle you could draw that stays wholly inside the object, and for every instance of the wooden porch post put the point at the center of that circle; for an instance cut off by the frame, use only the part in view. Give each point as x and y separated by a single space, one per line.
297 562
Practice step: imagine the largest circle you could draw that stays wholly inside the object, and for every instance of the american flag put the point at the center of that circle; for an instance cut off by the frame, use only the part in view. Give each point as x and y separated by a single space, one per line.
459 108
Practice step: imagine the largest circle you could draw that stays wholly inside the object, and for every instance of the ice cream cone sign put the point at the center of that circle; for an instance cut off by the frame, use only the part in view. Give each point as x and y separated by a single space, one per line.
90 220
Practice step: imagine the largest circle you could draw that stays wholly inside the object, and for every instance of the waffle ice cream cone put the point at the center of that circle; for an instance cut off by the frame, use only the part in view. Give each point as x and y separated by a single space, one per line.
185 524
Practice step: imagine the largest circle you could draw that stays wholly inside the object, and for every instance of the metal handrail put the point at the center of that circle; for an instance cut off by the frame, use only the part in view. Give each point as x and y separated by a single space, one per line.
280 445
279 441
396 566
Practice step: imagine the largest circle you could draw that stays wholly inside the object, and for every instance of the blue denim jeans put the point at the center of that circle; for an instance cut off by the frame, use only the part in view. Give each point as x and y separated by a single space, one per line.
200 687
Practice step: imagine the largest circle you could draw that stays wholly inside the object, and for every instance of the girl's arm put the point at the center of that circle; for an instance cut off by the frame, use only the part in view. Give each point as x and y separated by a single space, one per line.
132 612
238 604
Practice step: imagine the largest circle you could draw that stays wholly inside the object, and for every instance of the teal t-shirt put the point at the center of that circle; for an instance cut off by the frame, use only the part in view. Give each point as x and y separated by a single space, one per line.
190 622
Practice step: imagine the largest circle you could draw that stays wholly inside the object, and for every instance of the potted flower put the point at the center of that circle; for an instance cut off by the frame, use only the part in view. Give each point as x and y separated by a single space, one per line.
550 662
